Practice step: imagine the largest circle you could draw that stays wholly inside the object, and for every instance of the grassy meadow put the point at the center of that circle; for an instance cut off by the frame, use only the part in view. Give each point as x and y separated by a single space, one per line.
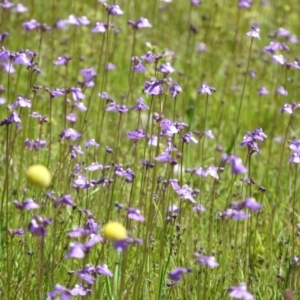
149 150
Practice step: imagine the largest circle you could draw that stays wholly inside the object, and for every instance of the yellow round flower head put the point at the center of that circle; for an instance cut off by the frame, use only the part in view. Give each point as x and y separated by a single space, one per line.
38 175
114 231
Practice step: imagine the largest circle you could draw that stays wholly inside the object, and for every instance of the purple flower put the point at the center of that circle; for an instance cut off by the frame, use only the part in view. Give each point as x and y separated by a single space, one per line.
195 2
103 270
278 59
91 143
140 105
13 118
165 157
188 137
135 214
66 199
237 166
35 144
140 23
293 64
66 294
28 204
88 74
18 231
31 25
22 59
110 66
240 292
165 68
114 10
153 87
175 89
100 27
137 65
84 275
129 174
62 60
38 226
263 91
69 134
282 91
116 107
77 94
19 8
295 158
198 208
121 245
295 260
245 3
136 134
94 167
81 182
208 261
20 102
254 33
6 4
249 203
149 57
206 89
77 250
295 146
72 118
176 274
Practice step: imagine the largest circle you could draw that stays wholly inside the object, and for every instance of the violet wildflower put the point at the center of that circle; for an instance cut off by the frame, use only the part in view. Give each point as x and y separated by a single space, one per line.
295 158
91 143
19 8
100 27
66 294
206 89
175 89
140 23
84 274
20 102
282 91
140 105
198 208
5 4
110 66
31 25
293 64
245 3
114 10
66 199
195 2
254 33
149 57
188 137
263 91
295 146
176 274
13 118
168 128
295 260
72 118
62 60
77 250
18 231
77 94
81 183
208 261
237 166
38 226
135 214
240 292
28 204
136 134
153 87
278 59
121 245
137 65
165 68
69 134
94 167
165 157
103 270
88 74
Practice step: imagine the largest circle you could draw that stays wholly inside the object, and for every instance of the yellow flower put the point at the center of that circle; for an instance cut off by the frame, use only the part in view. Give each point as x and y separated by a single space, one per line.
38 175
115 231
